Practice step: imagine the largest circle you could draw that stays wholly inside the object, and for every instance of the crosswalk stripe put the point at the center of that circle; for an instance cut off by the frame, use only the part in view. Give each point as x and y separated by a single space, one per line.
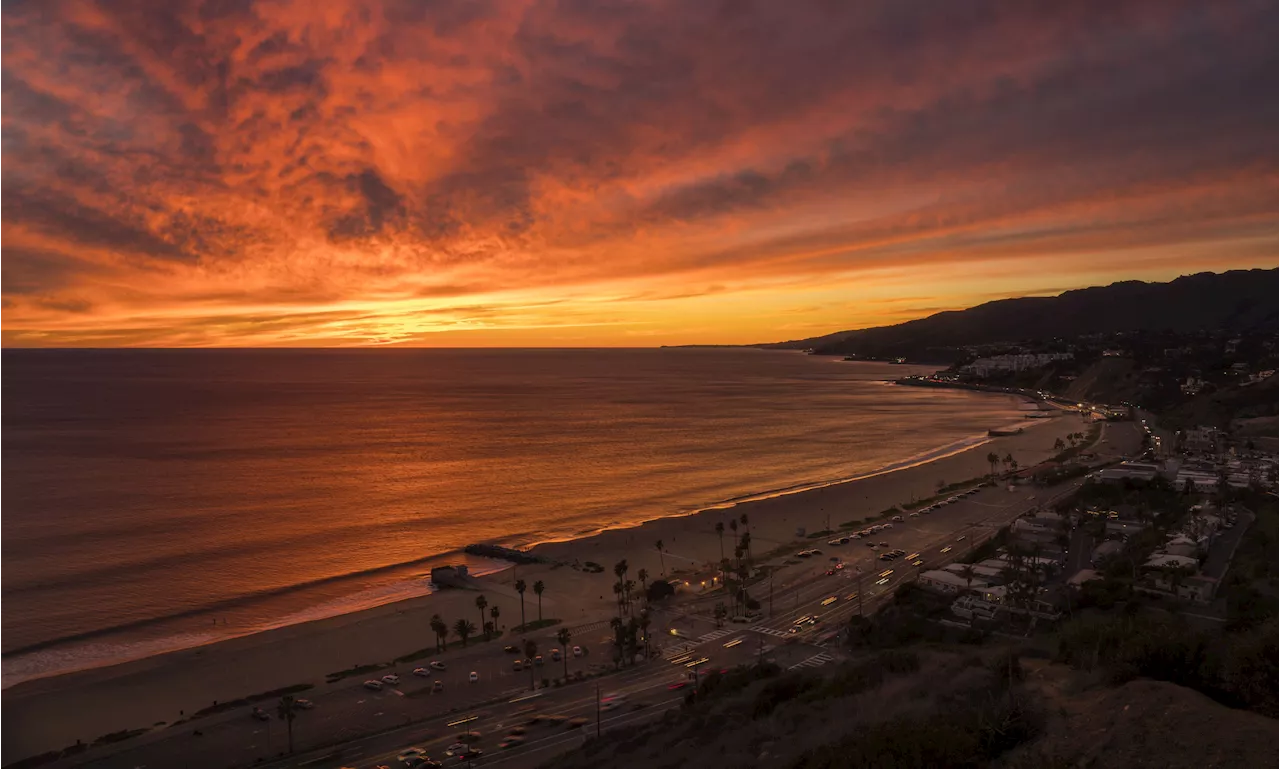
714 634
770 631
817 660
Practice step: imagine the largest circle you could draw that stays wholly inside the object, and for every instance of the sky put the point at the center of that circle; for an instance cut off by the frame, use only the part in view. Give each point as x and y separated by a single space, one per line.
589 172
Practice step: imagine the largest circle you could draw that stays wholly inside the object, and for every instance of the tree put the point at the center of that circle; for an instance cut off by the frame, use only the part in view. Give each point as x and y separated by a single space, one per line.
966 571
644 628
463 630
288 710
563 637
643 576
538 587
493 612
661 561
720 534
720 613
1058 445
1072 437
1008 460
746 525
520 587
481 603
993 459
530 651
441 630
660 589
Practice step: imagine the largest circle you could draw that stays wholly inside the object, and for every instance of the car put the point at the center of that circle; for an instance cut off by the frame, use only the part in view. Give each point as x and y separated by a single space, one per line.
886 557
815 551
961 538
509 649
577 651
511 741
423 672
856 536
410 752
437 686
260 715
437 665
471 754
741 620
576 723
830 572
304 703
391 678
839 566
794 629
946 549
829 600
871 544
897 519
474 677
884 544
517 665
456 748
802 554
538 660
555 655
917 562
373 685
914 515
887 526
516 730
420 762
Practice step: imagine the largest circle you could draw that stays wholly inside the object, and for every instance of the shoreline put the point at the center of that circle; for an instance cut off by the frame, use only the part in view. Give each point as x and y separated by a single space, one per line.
160 687
188 639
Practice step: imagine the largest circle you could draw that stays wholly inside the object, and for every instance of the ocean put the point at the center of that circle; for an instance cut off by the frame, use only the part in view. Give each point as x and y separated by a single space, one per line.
162 499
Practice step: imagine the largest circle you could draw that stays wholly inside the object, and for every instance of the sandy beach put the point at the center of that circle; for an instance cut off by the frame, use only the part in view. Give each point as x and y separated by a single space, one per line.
55 712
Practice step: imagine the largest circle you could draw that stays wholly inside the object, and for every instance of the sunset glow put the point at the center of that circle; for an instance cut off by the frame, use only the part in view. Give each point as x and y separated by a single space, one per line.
472 173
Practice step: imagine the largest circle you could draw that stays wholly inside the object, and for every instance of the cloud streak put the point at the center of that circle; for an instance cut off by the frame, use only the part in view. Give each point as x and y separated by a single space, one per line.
238 172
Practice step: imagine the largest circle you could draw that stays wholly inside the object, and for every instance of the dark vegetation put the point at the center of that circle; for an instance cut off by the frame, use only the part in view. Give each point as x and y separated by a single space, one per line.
219 707
893 708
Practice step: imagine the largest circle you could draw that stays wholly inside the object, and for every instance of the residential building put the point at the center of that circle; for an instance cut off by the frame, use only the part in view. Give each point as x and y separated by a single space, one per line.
940 581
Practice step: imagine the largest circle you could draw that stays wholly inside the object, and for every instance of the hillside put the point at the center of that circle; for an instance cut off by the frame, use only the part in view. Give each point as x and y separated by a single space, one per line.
1236 300
929 707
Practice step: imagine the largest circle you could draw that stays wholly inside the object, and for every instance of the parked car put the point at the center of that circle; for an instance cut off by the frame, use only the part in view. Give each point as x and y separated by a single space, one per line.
509 649
555 655
438 686
391 678
423 672
260 715
304 703
577 651
474 677
373 685
897 518
437 665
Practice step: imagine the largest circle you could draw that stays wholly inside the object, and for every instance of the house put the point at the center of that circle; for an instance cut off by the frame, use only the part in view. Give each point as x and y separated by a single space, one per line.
1168 560
1125 527
985 574
449 576
1037 606
1109 549
940 581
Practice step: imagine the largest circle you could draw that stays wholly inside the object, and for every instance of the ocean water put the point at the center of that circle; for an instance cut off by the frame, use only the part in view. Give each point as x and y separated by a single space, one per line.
155 500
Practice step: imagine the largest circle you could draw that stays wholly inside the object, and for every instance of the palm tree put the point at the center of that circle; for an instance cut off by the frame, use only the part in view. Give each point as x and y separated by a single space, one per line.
993 459
563 637
644 589
288 709
661 561
441 630
463 630
493 612
644 628
538 587
720 533
966 571
530 651
1058 445
520 586
1008 461
1072 437
481 603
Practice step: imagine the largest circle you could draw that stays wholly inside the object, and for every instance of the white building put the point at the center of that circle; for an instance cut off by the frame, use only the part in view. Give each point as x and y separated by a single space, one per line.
1017 362
947 582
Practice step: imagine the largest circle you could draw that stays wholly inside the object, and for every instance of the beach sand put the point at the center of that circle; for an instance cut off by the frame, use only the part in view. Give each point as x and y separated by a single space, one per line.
51 713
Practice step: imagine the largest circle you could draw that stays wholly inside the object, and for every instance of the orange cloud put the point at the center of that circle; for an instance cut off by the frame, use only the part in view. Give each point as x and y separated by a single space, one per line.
466 172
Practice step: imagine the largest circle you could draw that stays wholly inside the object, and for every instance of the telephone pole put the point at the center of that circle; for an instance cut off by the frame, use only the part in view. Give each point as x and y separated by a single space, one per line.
597 708
859 570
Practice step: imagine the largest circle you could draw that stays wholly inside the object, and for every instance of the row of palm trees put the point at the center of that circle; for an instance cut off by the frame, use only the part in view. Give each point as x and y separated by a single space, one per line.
1010 464
1075 438
464 630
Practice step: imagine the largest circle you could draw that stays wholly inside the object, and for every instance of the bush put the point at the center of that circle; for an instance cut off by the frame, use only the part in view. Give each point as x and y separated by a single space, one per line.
658 590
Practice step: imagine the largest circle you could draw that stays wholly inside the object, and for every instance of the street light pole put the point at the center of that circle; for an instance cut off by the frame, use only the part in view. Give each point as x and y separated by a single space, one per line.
597 708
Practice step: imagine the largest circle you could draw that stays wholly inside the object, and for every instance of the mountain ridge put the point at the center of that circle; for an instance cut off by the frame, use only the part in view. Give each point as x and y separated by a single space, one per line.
1236 300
